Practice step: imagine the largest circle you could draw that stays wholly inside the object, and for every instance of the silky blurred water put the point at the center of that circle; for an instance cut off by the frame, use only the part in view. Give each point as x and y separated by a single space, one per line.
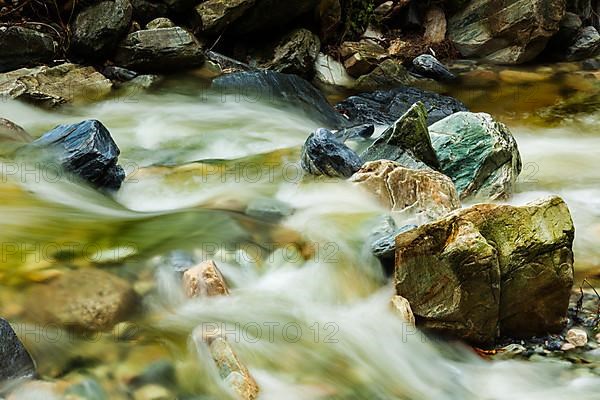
198 163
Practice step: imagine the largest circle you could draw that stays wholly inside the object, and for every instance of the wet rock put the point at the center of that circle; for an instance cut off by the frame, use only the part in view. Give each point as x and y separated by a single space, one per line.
479 154
204 280
152 392
570 25
406 141
323 154
577 337
383 243
85 149
401 307
513 267
510 32
388 74
98 29
145 11
269 209
15 361
428 66
11 132
217 15
385 107
435 25
160 23
330 72
587 44
158 50
228 64
87 299
25 47
361 131
296 53
291 90
425 194
118 74
66 83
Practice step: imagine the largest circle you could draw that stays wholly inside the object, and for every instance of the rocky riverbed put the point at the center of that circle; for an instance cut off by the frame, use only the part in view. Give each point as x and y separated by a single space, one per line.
306 199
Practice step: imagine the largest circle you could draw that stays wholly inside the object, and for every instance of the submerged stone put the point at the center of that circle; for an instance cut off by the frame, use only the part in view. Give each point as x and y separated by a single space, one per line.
87 299
479 154
323 154
85 149
406 141
204 280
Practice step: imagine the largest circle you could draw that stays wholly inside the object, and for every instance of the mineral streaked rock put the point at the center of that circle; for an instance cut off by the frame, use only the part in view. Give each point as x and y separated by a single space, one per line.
488 269
426 193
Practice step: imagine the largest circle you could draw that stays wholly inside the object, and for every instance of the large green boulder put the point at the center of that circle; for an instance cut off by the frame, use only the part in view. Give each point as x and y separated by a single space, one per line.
479 154
490 270
505 31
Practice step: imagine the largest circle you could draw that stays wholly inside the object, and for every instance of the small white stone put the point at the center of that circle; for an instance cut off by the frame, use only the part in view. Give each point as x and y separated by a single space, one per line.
577 337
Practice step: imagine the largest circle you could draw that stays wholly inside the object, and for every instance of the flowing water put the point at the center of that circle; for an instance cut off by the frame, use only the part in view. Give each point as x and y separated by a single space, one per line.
309 309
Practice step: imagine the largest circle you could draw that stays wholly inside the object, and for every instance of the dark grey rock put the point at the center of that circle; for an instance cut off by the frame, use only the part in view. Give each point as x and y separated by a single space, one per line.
587 44
323 154
98 29
385 107
24 47
384 247
363 131
591 64
290 90
428 66
87 150
15 361
118 74
145 11
296 53
269 209
159 50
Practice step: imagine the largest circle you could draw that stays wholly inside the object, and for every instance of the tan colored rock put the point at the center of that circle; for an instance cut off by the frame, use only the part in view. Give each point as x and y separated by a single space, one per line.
86 299
232 371
401 307
577 337
204 280
425 193
398 47
435 25
52 86
490 268
361 57
160 23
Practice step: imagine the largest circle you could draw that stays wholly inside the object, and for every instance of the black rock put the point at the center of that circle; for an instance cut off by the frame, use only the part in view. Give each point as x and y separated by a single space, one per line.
323 154
385 107
290 90
428 66
87 150
159 50
118 74
145 11
98 29
24 47
15 361
364 131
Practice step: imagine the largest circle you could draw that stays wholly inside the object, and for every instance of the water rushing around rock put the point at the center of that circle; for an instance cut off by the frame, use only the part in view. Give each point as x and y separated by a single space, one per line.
219 176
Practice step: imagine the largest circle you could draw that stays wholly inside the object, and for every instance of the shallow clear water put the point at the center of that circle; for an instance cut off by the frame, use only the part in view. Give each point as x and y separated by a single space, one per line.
311 274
